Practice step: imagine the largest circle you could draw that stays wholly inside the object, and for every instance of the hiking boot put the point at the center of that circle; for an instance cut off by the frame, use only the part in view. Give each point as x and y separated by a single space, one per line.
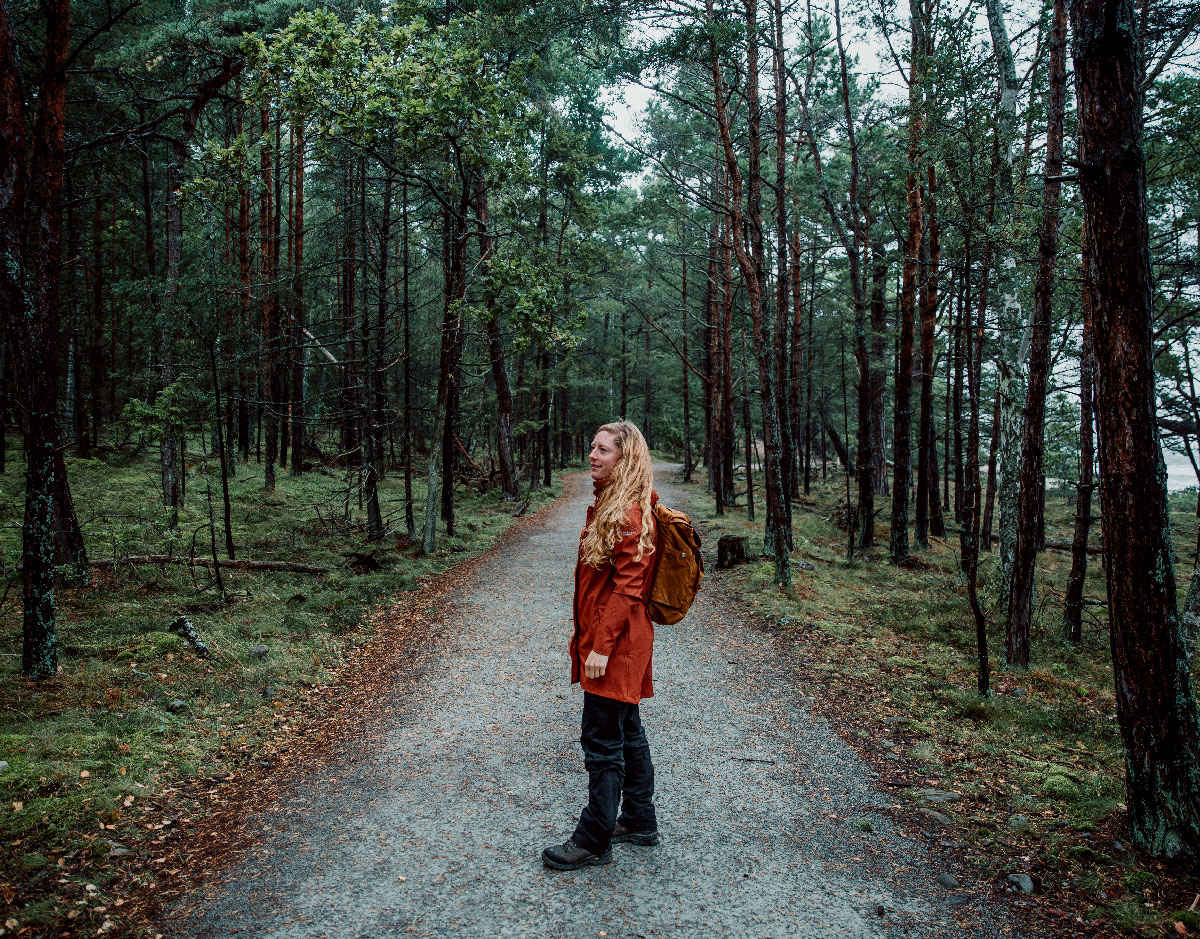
569 856
623 835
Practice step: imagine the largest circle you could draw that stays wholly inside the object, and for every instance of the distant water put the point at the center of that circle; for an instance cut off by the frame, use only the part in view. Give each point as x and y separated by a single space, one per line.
1180 474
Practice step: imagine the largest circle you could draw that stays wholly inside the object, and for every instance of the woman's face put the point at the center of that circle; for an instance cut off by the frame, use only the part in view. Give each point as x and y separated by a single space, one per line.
604 455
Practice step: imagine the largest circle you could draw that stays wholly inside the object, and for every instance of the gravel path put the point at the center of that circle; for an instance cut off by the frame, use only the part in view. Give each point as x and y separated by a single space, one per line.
434 825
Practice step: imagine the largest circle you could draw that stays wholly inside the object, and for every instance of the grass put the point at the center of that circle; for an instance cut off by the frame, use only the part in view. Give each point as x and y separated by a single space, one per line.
892 652
134 711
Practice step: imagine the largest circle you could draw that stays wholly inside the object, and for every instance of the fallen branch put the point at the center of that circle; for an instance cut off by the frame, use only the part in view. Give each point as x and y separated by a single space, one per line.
1050 545
1067 546
463 451
207 562
184 627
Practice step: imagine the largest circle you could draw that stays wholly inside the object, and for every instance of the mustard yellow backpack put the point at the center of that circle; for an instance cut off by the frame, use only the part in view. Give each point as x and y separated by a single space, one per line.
678 566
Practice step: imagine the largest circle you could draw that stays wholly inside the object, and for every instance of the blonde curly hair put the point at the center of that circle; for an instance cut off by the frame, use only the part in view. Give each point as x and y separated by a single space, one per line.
631 480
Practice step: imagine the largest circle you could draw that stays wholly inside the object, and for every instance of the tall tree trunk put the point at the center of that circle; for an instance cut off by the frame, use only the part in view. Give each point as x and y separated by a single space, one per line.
1156 704
544 412
504 399
224 455
270 305
442 446
1031 488
969 533
902 408
985 537
299 343
728 437
782 310
714 387
350 405
245 296
878 358
853 235
684 328
32 321
1013 328
1073 604
962 324
796 370
932 522
97 370
409 519
777 530
747 431
282 385
376 377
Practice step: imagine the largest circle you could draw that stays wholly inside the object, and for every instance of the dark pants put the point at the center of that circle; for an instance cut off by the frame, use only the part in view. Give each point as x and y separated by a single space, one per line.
617 758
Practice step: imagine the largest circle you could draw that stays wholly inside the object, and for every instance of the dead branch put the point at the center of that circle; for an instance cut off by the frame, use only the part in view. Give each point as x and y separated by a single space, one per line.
207 562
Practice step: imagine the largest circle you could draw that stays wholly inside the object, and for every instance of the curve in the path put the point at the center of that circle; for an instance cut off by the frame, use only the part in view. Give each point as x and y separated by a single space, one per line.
437 829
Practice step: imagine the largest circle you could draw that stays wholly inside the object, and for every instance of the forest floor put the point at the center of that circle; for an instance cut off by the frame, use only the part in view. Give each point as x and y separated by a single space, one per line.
429 817
889 657
104 768
120 805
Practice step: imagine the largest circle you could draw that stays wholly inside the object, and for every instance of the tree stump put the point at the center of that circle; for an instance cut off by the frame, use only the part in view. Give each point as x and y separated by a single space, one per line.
731 550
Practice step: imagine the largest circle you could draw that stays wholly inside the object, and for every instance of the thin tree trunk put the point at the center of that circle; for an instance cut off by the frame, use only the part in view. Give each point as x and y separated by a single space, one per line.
299 344
216 384
782 397
985 537
1031 484
1073 605
748 431
728 437
270 308
902 408
504 399
878 358
777 531
1013 328
969 537
409 519
687 412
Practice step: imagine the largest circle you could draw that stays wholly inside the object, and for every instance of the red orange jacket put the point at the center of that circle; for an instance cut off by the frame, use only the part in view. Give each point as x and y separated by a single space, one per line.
611 617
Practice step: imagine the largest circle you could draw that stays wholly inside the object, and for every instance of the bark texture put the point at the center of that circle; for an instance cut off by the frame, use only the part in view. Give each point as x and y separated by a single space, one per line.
1156 705
1031 485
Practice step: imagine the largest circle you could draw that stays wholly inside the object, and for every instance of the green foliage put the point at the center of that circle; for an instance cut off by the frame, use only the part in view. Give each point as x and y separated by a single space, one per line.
166 415
399 88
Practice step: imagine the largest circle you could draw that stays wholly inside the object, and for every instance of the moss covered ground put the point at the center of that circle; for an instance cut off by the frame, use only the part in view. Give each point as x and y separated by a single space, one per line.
134 712
890 654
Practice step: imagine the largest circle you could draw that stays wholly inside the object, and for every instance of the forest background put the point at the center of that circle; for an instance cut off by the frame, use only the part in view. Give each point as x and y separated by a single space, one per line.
303 300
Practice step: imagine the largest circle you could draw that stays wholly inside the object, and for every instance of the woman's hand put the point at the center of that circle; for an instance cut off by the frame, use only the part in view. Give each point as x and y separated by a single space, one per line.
595 665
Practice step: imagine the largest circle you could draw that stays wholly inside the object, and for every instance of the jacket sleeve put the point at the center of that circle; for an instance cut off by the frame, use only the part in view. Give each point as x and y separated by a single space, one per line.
629 583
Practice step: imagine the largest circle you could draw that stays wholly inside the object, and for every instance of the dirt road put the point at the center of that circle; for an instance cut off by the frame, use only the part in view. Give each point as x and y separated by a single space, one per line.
771 826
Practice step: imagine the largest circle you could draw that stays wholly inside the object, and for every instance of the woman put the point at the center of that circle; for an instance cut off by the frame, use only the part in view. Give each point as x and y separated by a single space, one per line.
611 650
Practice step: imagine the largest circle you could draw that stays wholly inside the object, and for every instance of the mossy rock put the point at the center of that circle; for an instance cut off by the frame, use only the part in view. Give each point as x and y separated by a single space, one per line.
1189 919
1058 786
1137 881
